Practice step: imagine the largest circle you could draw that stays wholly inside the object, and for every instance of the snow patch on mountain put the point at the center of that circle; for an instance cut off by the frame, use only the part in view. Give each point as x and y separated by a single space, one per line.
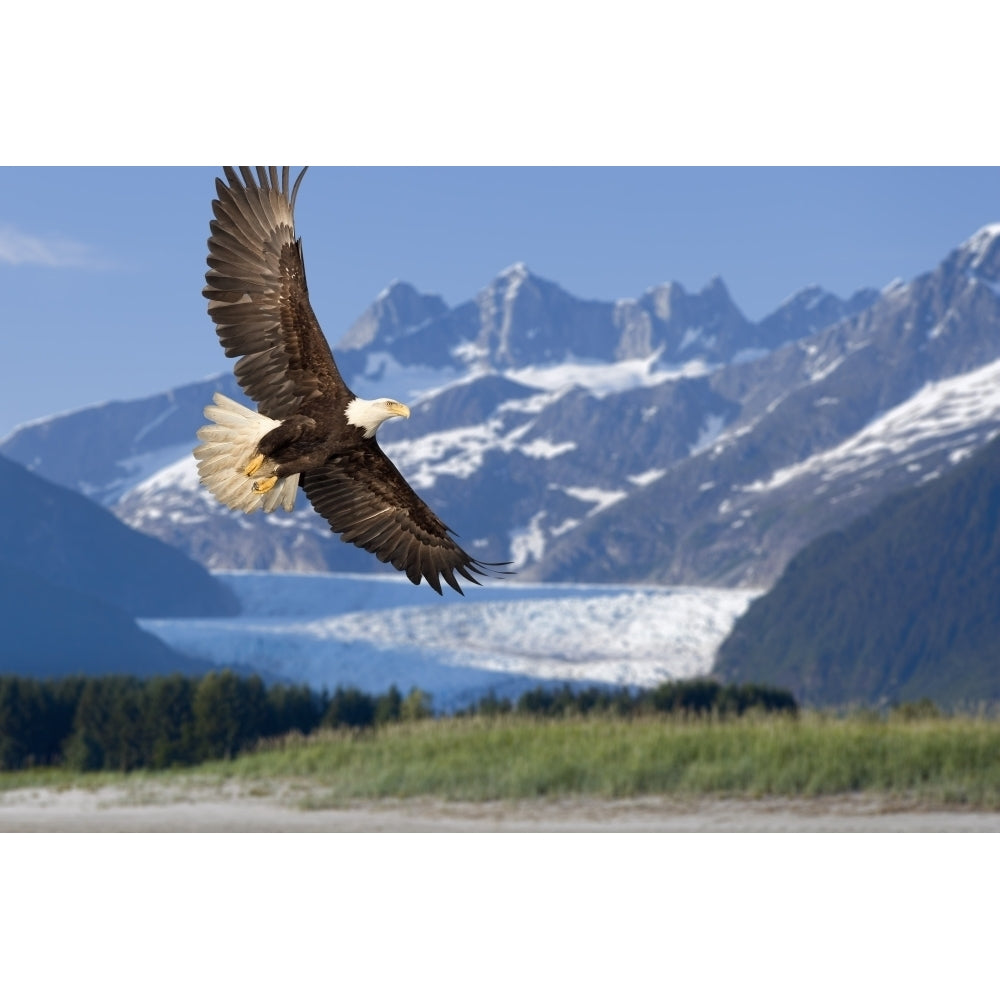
527 544
601 499
604 379
980 243
965 403
711 431
181 474
470 354
600 379
647 477
459 452
142 471
545 449
895 287
535 403
824 368
567 525
694 335
749 354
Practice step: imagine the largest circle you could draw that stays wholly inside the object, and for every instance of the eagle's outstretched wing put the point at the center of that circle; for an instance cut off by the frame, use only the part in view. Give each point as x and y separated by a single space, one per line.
369 503
258 298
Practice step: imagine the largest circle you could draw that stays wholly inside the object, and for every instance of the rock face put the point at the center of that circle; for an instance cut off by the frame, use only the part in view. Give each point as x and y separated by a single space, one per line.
663 438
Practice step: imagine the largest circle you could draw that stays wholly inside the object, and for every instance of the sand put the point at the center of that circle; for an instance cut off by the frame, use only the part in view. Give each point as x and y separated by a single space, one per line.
231 808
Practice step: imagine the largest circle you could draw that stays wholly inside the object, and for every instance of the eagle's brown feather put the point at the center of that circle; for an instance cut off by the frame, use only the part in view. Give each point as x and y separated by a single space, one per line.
259 302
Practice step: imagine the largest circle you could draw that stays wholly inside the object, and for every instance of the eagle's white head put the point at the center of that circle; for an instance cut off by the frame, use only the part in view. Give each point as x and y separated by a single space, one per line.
369 414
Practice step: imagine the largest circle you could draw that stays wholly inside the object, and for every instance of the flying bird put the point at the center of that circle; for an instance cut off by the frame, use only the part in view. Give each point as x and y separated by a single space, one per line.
309 428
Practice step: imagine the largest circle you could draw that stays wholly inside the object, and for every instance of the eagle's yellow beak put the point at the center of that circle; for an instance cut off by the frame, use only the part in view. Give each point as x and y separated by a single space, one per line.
398 409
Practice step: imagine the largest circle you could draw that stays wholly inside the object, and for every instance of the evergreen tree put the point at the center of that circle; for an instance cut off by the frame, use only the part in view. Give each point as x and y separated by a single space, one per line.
86 749
295 708
350 707
169 710
490 706
229 714
416 705
125 742
388 707
16 721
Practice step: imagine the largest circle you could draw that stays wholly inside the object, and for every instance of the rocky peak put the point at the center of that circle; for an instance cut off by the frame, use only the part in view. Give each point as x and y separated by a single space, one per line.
810 310
979 255
397 311
705 324
524 319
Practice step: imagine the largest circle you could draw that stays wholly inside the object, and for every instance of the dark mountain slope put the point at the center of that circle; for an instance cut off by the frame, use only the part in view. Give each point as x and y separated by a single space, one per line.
52 631
903 603
68 541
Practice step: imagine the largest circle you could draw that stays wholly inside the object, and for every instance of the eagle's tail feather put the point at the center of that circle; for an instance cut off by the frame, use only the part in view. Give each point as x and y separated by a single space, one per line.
228 445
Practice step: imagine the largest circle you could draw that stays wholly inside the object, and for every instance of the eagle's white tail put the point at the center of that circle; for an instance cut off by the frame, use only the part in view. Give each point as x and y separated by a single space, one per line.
229 443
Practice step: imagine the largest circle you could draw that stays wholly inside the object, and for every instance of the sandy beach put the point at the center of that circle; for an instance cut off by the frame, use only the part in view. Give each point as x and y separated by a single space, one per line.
232 809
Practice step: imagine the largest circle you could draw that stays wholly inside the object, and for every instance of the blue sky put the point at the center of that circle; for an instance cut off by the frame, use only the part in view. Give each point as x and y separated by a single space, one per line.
101 269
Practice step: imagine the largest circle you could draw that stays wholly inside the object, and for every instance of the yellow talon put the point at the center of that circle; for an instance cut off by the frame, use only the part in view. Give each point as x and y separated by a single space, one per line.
254 464
265 485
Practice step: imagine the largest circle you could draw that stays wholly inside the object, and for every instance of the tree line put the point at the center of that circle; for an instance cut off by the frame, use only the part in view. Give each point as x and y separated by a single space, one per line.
123 723
697 697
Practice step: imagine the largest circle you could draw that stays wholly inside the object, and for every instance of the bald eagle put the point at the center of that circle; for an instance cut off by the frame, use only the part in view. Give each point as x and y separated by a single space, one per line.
310 429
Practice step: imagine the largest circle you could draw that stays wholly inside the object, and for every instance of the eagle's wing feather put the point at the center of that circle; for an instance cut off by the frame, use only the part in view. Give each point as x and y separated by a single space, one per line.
259 301
258 297
368 503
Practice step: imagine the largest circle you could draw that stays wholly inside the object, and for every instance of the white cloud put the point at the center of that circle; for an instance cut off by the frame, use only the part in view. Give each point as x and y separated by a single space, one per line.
21 248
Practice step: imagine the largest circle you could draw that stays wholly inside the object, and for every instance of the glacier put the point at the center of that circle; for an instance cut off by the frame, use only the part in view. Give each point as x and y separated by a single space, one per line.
372 631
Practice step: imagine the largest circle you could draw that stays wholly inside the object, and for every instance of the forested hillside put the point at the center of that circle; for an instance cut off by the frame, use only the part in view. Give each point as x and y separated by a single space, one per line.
903 603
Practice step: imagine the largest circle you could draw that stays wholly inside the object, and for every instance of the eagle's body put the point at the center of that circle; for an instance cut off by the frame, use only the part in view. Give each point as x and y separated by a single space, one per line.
310 429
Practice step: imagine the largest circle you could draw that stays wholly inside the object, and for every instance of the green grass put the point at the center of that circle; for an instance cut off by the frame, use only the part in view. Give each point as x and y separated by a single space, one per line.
950 760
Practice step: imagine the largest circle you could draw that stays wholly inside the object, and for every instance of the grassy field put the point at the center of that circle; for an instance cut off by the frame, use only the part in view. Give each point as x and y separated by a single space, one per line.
941 761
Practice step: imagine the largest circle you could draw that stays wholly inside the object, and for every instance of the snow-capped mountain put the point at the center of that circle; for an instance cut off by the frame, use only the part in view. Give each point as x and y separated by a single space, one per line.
521 320
828 425
664 438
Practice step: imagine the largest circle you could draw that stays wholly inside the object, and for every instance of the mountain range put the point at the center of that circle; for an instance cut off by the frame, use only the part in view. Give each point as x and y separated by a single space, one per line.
658 439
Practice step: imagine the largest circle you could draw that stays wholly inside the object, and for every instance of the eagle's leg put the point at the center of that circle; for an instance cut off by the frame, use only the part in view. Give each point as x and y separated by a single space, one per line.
271 445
